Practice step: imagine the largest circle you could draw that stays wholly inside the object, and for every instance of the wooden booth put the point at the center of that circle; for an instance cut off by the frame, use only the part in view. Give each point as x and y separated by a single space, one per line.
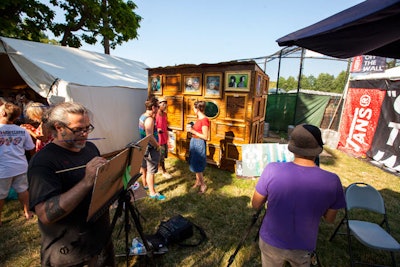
236 96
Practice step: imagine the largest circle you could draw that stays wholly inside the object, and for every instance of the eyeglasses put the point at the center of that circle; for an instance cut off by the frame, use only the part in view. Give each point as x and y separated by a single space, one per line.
77 131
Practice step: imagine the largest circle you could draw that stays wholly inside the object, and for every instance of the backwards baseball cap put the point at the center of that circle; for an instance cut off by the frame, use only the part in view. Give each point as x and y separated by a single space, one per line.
306 140
162 99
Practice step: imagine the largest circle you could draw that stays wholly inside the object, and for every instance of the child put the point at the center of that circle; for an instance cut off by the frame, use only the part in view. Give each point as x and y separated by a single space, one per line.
14 140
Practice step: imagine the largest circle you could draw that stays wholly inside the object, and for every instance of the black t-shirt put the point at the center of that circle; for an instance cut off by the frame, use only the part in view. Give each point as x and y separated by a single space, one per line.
70 240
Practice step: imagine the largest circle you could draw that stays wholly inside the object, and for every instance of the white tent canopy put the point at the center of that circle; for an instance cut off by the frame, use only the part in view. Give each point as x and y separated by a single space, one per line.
113 88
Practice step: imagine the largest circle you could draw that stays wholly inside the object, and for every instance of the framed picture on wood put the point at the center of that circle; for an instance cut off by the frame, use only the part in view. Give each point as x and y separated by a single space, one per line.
192 84
172 142
259 84
155 84
212 85
238 81
265 86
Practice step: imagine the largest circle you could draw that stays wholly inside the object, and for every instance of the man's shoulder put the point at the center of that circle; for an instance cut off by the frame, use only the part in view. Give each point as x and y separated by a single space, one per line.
11 127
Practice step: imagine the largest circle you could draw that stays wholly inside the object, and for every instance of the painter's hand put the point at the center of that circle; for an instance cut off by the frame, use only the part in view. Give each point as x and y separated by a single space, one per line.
91 169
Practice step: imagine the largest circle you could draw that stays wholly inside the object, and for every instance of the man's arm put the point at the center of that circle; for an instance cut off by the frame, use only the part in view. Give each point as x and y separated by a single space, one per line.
330 215
258 200
149 128
57 207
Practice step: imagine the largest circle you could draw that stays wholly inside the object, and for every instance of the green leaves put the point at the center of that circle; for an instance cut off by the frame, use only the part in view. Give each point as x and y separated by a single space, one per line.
24 19
324 82
86 21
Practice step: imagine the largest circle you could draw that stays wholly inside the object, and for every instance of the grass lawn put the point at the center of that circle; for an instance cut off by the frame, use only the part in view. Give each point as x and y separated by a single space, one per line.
224 212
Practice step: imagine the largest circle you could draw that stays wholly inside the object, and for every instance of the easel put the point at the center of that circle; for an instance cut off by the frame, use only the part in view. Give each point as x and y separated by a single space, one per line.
136 154
125 204
253 222
110 185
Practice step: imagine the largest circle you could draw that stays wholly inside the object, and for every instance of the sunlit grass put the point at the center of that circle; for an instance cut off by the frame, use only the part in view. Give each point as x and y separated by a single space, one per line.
224 212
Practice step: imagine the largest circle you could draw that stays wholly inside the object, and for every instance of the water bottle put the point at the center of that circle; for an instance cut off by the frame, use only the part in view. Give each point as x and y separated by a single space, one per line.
138 250
137 247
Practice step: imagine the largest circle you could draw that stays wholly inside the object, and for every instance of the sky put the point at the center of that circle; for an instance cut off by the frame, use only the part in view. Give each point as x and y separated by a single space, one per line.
174 32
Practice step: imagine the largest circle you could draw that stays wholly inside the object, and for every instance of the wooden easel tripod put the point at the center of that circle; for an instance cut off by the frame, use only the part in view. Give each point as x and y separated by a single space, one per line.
125 205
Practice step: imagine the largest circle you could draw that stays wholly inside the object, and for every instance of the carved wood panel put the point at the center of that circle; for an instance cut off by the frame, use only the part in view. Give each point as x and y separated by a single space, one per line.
231 131
175 112
172 84
235 106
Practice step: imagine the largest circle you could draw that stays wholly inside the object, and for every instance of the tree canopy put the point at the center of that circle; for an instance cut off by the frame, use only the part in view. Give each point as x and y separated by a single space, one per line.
110 21
324 82
24 19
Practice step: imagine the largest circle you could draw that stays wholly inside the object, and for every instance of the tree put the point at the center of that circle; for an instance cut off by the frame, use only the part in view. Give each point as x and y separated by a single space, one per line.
308 82
85 20
24 19
120 23
340 82
324 82
291 84
282 82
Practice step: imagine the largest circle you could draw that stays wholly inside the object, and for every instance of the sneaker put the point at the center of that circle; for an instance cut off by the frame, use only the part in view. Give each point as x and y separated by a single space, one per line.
157 196
147 188
167 175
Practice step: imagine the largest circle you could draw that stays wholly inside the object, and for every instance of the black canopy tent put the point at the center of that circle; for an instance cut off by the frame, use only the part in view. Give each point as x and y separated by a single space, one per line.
369 28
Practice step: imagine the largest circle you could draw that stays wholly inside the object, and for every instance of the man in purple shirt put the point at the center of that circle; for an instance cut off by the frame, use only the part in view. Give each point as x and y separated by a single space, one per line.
297 194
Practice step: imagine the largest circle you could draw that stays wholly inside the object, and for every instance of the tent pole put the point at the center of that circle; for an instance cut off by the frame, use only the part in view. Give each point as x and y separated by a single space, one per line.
345 89
298 84
279 71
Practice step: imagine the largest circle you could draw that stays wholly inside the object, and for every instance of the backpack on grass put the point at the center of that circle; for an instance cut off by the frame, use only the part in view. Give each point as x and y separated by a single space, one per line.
176 230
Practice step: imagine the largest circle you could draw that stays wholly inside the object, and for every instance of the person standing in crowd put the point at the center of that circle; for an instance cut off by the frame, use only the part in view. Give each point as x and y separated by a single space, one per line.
297 194
61 197
36 112
162 129
21 101
14 142
149 167
197 147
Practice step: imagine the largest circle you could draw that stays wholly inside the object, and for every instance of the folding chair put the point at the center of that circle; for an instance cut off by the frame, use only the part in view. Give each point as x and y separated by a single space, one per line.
362 196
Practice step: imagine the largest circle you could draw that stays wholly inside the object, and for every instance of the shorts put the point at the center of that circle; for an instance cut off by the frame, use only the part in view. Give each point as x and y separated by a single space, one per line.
163 152
18 182
151 160
276 257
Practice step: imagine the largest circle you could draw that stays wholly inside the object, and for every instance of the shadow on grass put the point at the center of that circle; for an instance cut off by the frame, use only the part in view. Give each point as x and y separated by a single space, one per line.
223 212
327 157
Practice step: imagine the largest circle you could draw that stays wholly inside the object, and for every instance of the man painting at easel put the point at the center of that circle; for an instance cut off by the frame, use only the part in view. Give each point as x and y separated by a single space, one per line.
61 199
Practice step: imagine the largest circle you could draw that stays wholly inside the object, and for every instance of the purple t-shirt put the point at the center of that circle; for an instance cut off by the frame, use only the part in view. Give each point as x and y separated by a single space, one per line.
297 198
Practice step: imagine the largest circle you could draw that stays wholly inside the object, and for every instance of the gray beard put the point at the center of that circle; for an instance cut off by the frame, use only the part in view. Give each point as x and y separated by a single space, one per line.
73 144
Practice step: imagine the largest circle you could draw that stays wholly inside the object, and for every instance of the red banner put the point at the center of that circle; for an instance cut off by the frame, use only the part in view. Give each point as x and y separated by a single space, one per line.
360 119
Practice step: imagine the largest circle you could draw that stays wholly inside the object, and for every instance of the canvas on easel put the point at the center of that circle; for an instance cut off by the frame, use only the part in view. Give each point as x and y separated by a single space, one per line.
109 181
138 151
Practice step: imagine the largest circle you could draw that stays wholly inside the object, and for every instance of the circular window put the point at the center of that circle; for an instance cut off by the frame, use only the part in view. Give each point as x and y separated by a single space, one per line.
211 110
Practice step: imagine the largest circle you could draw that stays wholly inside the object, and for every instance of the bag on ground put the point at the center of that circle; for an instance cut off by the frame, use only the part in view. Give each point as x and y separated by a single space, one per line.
176 230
